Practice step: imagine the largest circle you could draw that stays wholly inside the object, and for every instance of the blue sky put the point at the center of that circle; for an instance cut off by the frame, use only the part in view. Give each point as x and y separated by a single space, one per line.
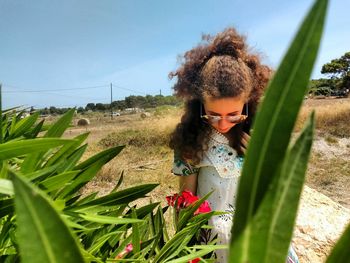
134 44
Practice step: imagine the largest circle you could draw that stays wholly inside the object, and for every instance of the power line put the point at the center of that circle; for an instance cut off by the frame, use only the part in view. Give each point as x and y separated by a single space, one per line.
53 91
118 87
48 90
21 90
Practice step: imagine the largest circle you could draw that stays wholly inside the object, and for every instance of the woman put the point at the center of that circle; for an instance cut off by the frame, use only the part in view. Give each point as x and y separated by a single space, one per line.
221 83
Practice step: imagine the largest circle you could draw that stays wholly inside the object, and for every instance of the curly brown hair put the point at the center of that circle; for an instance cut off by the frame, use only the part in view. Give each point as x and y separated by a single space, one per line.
219 67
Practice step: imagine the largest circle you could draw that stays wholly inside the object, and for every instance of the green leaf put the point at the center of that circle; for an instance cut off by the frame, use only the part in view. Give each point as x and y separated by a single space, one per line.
122 246
106 155
121 197
72 160
187 213
31 134
76 201
58 181
67 149
109 219
19 148
42 234
288 194
13 124
270 231
6 187
340 252
3 169
56 130
24 125
178 242
276 117
59 127
120 180
205 250
145 210
80 180
136 239
99 242
45 172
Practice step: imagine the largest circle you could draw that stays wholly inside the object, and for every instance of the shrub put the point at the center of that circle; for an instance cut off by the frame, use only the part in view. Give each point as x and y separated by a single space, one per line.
44 218
138 138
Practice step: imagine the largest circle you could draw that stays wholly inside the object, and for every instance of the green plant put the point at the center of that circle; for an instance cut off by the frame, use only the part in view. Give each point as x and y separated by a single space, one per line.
273 173
44 218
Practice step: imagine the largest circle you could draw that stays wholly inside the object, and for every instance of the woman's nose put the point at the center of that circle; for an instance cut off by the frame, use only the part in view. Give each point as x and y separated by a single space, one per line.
223 123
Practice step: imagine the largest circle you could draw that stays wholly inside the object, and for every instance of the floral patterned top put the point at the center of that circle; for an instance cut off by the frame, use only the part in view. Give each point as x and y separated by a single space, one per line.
218 171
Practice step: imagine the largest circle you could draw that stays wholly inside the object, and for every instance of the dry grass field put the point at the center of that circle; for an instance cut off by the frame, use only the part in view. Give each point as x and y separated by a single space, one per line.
147 158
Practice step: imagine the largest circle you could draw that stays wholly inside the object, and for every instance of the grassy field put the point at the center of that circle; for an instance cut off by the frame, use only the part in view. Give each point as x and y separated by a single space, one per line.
147 158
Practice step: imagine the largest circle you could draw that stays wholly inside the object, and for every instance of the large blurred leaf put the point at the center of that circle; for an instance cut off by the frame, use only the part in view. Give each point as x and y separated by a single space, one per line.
340 252
42 234
58 128
276 117
270 231
19 148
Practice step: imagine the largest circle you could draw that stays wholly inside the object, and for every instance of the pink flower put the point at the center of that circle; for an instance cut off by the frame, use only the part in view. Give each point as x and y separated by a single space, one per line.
128 248
171 199
203 208
185 199
189 198
126 251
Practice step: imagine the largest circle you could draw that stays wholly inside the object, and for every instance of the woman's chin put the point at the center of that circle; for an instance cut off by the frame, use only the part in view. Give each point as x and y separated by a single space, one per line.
223 130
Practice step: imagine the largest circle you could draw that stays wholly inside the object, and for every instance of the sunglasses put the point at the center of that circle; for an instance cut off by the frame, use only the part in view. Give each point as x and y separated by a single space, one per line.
213 119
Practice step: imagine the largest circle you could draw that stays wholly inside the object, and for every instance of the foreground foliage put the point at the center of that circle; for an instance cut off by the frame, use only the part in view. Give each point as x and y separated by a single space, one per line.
44 218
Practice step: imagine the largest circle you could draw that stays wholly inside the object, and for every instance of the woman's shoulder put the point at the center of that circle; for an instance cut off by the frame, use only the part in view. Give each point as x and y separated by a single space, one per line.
183 166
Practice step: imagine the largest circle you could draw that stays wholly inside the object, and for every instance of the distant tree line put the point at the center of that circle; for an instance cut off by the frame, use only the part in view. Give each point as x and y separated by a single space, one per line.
132 101
51 110
338 81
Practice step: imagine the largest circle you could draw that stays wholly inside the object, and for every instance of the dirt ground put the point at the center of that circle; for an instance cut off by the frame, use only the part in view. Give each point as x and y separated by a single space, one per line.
328 169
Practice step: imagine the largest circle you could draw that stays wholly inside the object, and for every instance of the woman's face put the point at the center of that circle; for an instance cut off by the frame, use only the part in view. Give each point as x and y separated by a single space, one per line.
223 107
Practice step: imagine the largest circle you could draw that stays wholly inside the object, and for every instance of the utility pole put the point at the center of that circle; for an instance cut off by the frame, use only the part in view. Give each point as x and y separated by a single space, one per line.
160 92
111 101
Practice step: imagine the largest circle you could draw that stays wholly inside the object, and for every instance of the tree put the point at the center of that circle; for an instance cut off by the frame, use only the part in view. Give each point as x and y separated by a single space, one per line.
100 107
32 110
339 70
90 106
53 110
80 110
